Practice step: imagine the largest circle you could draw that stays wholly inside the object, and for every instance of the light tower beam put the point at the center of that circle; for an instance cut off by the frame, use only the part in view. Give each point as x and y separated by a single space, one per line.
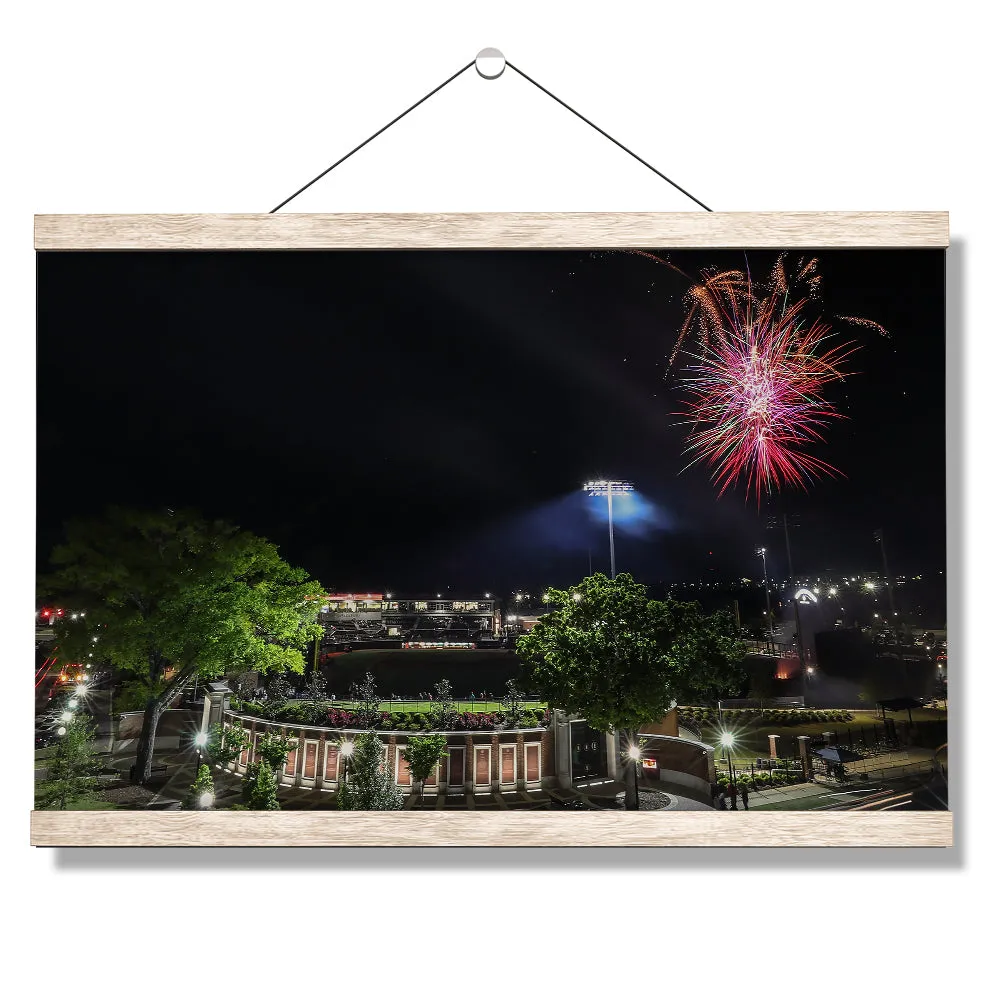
609 487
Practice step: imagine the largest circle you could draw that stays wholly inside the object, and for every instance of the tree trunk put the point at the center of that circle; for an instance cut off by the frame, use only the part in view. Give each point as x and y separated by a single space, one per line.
631 775
142 769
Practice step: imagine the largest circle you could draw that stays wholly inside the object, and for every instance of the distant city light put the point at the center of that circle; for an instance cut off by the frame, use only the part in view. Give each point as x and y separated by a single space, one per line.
869 585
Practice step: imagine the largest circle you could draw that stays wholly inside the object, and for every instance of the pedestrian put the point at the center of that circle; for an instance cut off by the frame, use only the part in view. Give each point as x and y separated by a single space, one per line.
732 796
745 795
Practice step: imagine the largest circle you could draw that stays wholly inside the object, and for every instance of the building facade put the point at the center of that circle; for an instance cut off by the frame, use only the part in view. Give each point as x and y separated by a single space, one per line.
358 618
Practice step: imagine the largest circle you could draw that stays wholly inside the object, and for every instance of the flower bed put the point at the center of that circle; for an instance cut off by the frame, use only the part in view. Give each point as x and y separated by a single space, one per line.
320 714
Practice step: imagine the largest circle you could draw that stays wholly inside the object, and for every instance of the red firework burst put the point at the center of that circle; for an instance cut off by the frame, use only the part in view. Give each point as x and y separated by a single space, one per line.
754 398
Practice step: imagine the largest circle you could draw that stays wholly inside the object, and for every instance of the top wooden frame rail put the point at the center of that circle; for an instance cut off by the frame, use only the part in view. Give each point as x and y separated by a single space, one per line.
514 230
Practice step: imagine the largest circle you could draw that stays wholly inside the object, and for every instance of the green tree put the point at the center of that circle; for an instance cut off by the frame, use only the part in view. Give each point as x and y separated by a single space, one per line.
316 690
170 595
443 712
273 749
260 787
422 753
366 695
279 689
369 784
610 654
73 767
512 711
225 744
203 786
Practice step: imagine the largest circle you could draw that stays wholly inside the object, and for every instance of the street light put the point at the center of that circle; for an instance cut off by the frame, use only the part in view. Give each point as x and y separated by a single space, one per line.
609 487
727 741
346 751
762 552
199 741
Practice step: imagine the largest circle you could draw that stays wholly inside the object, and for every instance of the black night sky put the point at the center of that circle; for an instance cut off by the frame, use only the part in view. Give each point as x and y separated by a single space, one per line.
422 421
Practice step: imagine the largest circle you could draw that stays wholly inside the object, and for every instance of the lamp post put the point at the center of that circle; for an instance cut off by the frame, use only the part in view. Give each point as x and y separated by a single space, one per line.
609 487
727 741
762 552
199 741
346 751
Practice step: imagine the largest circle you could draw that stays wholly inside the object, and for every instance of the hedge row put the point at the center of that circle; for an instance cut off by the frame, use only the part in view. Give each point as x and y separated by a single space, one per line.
306 714
778 716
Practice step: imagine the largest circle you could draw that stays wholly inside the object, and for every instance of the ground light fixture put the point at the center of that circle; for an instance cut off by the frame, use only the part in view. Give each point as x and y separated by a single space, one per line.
66 717
205 800
727 740
609 488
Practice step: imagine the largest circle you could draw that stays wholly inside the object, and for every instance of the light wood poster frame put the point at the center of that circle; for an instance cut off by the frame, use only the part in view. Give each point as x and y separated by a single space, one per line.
591 231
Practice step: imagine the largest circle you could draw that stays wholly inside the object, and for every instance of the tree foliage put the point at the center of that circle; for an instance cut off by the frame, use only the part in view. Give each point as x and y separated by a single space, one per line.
610 654
512 711
72 768
422 753
170 594
273 749
366 694
203 785
260 787
369 784
225 744
315 689
443 712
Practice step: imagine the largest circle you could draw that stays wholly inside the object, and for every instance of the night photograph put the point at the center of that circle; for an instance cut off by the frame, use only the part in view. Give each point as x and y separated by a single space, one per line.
491 530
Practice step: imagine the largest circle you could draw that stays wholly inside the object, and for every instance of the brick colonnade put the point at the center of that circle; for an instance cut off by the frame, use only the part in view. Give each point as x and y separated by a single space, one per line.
533 750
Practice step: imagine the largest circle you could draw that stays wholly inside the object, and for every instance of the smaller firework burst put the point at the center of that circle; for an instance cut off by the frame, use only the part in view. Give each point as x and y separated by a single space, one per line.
753 398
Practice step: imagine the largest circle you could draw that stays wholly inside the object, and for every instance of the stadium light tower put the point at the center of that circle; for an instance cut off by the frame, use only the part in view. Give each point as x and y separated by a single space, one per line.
609 487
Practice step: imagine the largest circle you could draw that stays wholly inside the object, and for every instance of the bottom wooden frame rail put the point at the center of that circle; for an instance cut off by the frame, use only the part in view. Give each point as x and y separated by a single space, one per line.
493 829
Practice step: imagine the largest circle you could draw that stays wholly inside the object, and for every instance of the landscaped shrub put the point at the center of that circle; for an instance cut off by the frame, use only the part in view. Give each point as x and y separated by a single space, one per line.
341 718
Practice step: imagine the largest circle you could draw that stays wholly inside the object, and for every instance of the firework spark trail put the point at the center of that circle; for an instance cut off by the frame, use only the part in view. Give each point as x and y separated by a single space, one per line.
709 303
754 397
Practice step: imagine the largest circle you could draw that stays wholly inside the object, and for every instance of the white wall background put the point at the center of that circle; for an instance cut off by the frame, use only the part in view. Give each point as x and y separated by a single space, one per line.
212 106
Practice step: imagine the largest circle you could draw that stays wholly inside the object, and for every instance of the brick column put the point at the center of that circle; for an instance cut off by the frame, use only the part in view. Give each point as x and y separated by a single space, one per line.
391 758
495 763
804 754
470 764
519 761
773 739
320 760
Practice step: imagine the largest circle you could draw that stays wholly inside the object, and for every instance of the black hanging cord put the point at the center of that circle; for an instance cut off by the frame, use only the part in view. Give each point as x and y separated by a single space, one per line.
375 136
529 79
610 137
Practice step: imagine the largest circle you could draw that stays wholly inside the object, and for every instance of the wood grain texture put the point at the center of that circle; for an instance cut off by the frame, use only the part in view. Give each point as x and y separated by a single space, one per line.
514 230
494 829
